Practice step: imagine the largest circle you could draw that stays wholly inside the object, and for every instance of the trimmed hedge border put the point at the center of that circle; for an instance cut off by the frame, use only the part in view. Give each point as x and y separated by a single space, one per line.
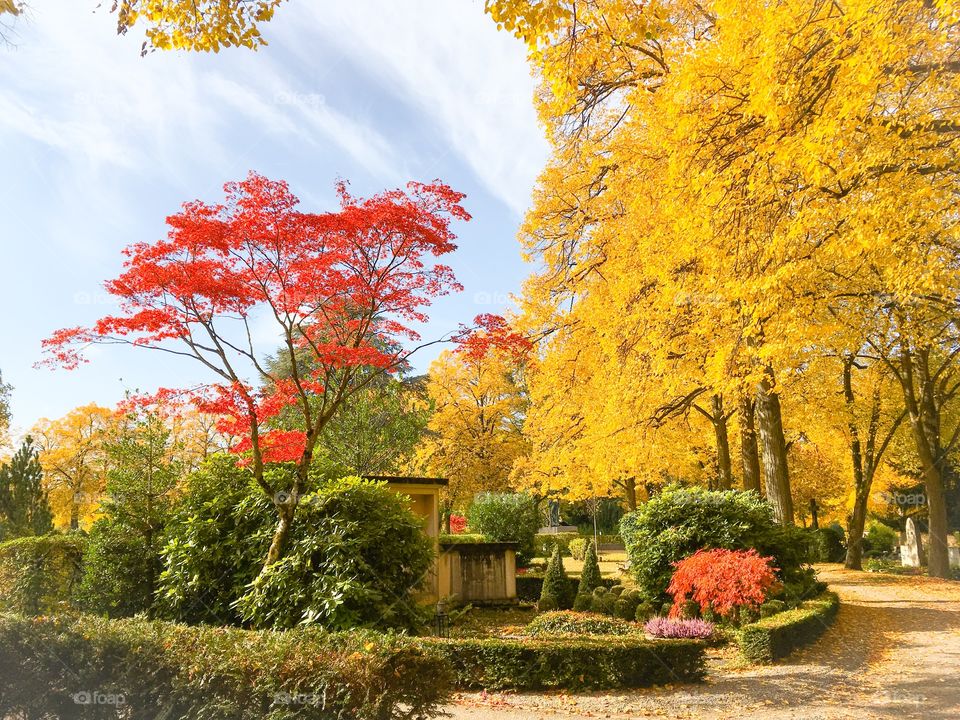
777 636
80 666
40 574
529 587
575 663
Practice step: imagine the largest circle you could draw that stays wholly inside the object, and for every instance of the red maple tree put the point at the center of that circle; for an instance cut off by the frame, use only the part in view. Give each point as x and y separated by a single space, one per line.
342 289
723 581
492 333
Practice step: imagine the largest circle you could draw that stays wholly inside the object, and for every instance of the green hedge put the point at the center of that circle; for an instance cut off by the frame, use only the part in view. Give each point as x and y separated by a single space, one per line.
40 574
530 587
598 662
137 669
777 636
463 538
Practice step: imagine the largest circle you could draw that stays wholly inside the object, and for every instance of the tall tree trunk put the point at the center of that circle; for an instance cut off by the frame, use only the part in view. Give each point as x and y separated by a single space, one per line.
630 492
723 443
281 533
855 524
749 452
773 449
858 518
924 424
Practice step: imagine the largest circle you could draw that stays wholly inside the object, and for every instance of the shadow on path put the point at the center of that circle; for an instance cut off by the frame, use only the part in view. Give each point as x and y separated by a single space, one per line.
892 652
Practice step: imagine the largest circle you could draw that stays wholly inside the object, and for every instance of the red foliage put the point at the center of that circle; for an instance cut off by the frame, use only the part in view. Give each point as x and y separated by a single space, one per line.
458 523
722 580
342 288
492 332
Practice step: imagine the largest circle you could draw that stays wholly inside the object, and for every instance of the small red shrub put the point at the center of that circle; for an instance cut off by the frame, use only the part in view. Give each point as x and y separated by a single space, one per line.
723 581
458 523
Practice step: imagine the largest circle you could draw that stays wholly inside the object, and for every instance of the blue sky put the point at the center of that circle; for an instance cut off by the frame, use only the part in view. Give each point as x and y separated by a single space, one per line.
100 145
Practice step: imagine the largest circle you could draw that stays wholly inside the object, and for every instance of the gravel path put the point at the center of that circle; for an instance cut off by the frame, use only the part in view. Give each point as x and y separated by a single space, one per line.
893 652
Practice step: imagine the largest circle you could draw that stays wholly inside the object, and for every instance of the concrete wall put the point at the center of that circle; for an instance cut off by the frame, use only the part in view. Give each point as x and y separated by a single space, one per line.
479 573
425 502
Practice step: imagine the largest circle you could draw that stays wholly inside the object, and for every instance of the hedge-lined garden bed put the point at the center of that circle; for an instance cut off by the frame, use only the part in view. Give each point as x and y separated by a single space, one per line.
81 666
777 636
575 663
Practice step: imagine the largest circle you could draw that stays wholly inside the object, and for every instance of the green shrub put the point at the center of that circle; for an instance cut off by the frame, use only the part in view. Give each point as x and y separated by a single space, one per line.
590 575
556 584
772 607
626 604
118 569
678 521
355 552
547 603
665 609
179 671
506 517
616 661
565 622
583 602
40 574
830 543
530 585
356 560
578 548
603 601
777 636
216 542
793 593
644 612
616 590
880 540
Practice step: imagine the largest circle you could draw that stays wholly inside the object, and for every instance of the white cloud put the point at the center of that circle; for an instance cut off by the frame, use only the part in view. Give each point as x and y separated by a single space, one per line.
449 60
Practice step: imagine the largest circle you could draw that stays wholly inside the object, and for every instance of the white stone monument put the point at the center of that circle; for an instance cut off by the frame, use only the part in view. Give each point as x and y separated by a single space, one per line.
911 552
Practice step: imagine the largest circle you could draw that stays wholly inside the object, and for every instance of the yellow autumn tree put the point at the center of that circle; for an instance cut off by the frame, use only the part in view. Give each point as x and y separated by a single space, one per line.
200 25
73 453
474 436
771 163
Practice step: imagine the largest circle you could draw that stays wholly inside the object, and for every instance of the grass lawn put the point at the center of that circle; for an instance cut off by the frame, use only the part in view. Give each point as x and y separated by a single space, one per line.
610 563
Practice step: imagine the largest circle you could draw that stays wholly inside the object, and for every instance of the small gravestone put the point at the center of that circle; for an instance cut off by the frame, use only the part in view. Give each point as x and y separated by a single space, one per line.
953 553
911 552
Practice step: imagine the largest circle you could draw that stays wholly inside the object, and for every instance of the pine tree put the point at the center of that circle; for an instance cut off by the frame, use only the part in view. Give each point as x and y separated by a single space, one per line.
556 587
24 509
590 575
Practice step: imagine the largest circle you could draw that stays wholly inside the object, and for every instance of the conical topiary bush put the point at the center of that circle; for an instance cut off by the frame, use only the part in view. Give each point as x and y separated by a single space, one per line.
590 575
556 586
